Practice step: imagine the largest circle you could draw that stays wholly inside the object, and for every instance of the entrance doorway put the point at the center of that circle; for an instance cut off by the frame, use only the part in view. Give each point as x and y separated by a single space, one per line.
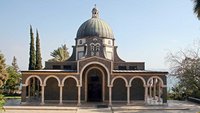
94 86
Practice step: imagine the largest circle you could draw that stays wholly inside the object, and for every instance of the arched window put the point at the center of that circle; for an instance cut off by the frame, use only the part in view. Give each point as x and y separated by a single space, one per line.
80 42
92 46
97 47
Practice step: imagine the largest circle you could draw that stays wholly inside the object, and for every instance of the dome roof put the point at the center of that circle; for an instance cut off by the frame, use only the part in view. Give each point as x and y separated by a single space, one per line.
95 27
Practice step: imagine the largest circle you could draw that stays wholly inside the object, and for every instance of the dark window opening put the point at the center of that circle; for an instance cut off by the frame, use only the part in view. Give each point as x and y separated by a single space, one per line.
94 78
122 67
56 67
132 67
80 42
67 67
97 48
92 47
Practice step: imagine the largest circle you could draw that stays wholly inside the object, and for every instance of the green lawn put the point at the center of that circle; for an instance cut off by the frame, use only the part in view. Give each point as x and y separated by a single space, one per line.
12 97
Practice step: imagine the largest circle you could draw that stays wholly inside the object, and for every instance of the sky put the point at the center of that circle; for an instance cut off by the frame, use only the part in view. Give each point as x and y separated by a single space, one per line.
144 30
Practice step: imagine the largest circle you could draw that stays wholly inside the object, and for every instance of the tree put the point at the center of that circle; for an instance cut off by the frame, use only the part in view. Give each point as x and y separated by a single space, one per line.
61 54
38 53
3 72
14 64
197 8
3 78
2 102
13 81
32 51
185 65
14 77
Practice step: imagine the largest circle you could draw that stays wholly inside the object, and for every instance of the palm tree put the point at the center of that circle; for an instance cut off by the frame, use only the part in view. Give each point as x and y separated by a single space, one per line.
61 54
197 8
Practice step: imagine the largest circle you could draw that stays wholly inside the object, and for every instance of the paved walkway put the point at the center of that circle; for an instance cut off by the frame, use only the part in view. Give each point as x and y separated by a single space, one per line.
172 107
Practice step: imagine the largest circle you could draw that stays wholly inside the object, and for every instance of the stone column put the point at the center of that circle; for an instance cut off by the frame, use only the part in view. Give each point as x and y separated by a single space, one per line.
33 87
146 93
23 95
42 100
128 94
150 91
110 95
38 88
79 95
29 91
154 88
159 92
61 92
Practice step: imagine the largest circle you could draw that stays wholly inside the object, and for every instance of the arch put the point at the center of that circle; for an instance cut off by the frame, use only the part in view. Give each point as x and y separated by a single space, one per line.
137 89
144 82
63 81
117 78
162 83
98 44
92 46
26 82
52 89
45 80
154 90
70 89
119 88
86 82
81 73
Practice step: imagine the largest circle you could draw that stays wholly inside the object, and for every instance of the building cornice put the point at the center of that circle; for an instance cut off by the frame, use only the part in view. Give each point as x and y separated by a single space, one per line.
138 72
49 72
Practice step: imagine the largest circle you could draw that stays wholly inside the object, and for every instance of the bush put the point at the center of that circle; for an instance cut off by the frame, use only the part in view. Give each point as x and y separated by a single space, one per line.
2 101
177 93
196 94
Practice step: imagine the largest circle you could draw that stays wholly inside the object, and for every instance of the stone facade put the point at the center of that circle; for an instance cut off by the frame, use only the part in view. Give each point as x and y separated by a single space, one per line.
94 73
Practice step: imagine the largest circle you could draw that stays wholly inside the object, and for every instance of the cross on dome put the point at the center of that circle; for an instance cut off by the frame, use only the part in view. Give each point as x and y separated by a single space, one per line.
95 12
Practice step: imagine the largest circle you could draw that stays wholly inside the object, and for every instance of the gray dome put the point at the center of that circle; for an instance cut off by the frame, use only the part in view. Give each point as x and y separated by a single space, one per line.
95 27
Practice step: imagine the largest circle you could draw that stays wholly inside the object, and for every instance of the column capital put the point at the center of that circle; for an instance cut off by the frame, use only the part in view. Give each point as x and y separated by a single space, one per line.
110 86
60 85
128 86
24 85
43 85
79 85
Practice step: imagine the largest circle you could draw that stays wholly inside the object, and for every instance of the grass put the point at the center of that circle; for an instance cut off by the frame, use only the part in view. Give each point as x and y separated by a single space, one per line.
12 97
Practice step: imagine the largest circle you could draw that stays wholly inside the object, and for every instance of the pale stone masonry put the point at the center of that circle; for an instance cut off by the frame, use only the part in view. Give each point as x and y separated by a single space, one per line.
94 73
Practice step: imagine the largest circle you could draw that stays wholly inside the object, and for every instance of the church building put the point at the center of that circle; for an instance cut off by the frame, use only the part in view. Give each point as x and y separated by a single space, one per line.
94 73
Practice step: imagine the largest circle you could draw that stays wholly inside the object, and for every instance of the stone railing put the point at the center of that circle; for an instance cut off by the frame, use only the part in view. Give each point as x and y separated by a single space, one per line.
192 99
154 101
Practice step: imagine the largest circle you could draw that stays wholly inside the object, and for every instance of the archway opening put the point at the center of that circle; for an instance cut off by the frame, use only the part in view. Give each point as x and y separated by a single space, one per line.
119 91
70 90
52 90
155 91
33 90
137 89
94 85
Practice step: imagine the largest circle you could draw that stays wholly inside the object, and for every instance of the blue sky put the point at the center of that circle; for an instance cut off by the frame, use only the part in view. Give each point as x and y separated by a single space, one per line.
145 30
